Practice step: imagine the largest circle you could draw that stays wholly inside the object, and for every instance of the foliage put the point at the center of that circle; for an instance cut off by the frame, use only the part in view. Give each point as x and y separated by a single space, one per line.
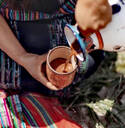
99 102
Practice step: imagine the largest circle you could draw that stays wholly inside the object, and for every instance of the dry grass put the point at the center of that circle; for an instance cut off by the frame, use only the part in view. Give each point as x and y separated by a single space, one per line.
99 102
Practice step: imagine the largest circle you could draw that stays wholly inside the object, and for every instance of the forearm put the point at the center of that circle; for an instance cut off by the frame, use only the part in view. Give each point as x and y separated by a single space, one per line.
9 43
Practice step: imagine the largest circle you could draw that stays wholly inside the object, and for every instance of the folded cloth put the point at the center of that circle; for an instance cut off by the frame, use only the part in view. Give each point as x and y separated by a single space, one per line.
33 110
16 111
5 117
45 112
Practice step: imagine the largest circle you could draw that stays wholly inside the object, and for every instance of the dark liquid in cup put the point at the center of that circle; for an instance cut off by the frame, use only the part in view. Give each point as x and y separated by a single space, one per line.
62 65
58 65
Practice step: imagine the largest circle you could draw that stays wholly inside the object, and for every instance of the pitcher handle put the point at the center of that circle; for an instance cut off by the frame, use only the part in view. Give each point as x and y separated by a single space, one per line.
100 40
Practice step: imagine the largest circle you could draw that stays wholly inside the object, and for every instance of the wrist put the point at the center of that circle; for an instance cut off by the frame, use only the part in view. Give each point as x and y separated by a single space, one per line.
22 58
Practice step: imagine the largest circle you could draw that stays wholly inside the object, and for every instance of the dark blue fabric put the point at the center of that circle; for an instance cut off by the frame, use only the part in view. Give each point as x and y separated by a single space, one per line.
34 36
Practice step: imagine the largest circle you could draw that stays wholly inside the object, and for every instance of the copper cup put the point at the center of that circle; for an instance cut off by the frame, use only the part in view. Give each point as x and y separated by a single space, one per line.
60 80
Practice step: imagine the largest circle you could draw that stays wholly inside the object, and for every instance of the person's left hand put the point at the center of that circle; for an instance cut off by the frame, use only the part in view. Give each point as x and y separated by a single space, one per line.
33 64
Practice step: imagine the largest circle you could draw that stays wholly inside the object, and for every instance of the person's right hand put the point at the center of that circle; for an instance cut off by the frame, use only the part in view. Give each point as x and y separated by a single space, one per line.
33 64
92 15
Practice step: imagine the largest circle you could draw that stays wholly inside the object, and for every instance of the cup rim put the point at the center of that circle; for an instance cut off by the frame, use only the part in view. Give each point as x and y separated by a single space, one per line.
50 51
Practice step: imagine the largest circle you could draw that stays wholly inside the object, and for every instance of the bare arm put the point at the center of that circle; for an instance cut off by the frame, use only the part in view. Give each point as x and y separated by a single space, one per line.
31 62
9 44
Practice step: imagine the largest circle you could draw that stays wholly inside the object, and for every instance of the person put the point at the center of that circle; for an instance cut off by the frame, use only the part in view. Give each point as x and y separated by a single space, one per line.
28 30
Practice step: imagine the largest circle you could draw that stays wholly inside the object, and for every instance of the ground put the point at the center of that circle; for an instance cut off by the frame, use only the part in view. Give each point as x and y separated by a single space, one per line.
99 102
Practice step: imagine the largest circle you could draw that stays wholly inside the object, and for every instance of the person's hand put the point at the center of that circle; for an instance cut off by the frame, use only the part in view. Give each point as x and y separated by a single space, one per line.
92 15
33 64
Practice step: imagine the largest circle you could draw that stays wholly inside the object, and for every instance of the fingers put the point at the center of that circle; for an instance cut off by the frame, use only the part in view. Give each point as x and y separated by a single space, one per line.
92 15
48 84
34 65
35 70
41 76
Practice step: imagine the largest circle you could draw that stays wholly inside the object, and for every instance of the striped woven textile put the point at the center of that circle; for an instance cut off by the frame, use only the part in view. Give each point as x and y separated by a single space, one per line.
11 112
16 111
22 15
3 3
33 111
5 116
69 6
45 112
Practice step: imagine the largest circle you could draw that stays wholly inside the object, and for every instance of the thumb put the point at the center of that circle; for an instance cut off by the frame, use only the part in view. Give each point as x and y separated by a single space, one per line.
52 87
48 84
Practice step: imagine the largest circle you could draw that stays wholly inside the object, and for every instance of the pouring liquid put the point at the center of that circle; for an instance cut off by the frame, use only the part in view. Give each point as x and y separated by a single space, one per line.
75 49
